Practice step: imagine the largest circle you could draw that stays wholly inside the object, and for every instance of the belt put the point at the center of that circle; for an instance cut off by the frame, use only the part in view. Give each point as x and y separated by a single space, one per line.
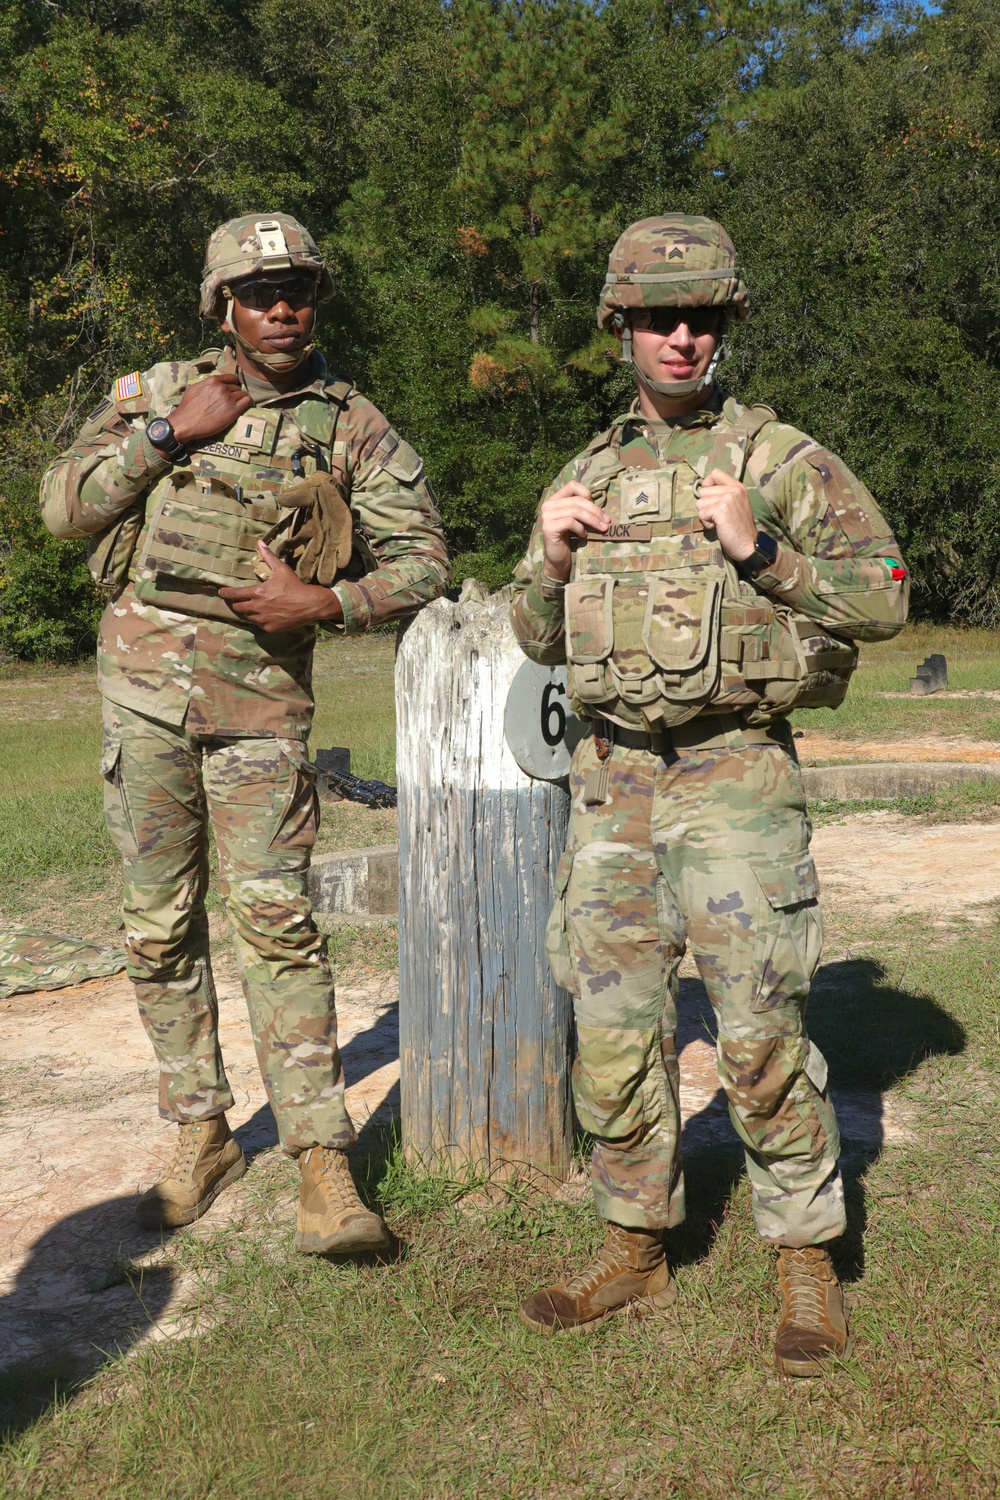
706 732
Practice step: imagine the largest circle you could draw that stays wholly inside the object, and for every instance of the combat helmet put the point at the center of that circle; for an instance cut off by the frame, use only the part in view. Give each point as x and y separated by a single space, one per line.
248 246
673 260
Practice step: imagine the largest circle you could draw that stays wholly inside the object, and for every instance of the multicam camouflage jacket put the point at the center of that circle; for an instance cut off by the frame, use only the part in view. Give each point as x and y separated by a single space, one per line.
220 676
658 626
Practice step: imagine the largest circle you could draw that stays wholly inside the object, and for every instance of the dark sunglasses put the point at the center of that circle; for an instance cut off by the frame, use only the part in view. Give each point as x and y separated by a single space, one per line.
261 293
665 319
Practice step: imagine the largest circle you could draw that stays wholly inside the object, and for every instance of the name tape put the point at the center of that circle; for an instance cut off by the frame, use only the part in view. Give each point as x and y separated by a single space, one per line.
227 450
624 531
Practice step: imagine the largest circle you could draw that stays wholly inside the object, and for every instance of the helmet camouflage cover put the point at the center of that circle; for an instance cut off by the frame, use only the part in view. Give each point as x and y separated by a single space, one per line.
254 243
674 260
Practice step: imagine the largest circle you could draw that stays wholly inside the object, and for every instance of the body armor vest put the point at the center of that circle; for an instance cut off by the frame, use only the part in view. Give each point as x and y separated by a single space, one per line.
198 529
659 622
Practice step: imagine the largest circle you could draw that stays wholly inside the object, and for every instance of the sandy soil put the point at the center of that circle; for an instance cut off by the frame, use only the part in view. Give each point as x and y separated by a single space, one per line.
885 862
81 1136
816 748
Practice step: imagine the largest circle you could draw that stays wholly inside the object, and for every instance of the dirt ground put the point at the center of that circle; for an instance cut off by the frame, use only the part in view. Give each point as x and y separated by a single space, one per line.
81 1135
816 748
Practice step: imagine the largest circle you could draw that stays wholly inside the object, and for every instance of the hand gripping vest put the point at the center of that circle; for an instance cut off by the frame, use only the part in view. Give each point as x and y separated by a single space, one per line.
659 621
204 521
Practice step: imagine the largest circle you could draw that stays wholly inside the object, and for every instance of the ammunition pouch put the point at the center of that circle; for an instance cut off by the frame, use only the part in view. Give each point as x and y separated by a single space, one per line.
109 555
659 621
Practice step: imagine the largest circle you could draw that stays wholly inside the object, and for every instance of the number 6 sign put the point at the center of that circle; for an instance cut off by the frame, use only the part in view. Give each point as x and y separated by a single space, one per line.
539 726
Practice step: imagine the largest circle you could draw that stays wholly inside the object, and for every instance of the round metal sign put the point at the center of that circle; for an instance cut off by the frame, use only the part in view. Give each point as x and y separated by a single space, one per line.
540 728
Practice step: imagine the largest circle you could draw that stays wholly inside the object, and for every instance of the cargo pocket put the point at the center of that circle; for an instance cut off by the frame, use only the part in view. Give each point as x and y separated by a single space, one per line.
557 949
117 811
682 634
589 637
296 799
789 933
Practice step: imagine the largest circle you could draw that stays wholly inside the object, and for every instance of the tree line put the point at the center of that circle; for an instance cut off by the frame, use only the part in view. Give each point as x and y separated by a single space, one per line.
466 167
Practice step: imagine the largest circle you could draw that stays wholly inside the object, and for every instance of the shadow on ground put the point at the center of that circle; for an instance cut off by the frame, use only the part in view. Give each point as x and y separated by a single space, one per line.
74 1306
76 1302
872 1035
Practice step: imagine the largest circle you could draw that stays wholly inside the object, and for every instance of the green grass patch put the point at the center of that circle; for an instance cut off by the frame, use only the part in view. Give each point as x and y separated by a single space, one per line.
886 667
963 802
415 1378
51 814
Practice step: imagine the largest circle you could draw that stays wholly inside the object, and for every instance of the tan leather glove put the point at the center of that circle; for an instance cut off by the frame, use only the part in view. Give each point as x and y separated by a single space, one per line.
320 545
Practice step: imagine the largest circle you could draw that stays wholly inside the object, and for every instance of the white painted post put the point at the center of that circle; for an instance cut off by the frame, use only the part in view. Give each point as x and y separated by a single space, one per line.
485 1033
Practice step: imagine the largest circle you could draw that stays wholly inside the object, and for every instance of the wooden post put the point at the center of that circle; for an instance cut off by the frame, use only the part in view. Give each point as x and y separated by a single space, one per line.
485 1033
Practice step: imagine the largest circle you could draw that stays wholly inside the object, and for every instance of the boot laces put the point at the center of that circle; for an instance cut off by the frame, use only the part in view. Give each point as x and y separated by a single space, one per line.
335 1176
805 1287
189 1144
587 1280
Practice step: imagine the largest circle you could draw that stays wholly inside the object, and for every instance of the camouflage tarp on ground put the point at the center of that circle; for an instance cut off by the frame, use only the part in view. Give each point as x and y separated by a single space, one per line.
33 960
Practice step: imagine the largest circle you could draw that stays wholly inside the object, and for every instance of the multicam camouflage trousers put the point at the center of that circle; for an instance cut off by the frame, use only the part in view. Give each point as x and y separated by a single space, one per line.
708 847
162 787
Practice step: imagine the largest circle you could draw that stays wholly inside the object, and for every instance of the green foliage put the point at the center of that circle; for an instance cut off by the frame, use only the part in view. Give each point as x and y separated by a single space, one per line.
466 167
49 608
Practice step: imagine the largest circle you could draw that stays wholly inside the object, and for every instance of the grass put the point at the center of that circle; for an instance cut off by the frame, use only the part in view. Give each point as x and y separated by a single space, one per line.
966 801
415 1379
973 665
58 867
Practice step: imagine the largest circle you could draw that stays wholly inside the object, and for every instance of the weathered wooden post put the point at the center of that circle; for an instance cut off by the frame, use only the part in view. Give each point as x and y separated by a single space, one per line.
485 1033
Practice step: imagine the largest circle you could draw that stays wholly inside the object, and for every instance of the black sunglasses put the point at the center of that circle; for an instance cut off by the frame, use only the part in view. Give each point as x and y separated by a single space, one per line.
665 319
262 293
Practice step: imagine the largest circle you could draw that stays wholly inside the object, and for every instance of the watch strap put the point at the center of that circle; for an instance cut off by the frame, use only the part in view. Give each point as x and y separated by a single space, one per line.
169 446
762 557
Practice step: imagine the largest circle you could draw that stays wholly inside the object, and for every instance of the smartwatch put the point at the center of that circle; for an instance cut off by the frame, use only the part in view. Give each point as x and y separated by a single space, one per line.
161 435
764 552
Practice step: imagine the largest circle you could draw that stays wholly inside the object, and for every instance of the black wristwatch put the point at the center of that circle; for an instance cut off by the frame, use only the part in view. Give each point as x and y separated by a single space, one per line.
161 435
764 552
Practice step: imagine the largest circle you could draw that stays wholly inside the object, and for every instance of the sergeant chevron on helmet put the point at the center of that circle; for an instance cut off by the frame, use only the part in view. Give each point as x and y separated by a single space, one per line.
235 501
703 569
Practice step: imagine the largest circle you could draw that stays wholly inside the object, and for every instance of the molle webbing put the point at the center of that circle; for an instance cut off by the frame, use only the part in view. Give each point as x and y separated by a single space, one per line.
658 620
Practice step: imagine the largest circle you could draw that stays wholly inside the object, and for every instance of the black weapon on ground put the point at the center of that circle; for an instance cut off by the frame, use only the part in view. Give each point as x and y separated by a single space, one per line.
353 789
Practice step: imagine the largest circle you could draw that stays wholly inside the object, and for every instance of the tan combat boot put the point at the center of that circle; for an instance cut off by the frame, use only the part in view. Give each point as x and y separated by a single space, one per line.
813 1323
207 1159
631 1267
332 1218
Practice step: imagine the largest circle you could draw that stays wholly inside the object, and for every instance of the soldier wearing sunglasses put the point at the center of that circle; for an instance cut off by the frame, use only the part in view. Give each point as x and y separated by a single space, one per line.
703 569
234 502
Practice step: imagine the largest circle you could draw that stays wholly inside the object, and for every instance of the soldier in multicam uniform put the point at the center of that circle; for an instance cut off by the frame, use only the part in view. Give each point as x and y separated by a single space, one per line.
194 479
703 569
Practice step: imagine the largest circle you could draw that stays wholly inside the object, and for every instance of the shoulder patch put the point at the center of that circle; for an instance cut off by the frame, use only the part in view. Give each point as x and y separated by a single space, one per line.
396 456
104 418
131 394
851 502
98 412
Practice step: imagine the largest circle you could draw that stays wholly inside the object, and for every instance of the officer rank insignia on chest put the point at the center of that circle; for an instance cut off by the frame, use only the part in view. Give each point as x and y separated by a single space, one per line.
252 431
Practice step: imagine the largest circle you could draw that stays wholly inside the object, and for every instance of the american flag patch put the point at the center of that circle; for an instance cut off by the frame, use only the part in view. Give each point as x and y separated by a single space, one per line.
127 386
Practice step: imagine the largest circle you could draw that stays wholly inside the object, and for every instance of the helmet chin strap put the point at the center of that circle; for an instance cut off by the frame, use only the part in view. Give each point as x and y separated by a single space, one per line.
281 364
678 388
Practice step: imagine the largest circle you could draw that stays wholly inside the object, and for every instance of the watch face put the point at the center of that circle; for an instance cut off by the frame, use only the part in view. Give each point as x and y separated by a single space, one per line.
159 431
